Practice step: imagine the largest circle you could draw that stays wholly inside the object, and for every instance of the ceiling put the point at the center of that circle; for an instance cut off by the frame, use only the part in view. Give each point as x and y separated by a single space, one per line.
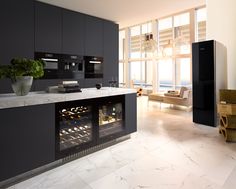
127 12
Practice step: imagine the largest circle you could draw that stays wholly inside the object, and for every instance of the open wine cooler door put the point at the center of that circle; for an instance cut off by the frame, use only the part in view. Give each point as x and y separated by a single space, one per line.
75 128
111 119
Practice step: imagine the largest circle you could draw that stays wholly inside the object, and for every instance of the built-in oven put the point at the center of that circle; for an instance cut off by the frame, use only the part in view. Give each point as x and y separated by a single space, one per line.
93 67
61 66
51 64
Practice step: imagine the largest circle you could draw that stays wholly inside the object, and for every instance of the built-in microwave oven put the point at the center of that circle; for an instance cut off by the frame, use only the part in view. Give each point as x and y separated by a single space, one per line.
61 66
93 67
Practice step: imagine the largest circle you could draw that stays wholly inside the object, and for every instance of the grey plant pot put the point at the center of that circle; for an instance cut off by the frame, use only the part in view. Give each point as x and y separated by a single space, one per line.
22 85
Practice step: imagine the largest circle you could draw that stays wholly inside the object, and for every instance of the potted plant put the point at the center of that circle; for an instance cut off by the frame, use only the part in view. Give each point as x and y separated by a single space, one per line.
21 71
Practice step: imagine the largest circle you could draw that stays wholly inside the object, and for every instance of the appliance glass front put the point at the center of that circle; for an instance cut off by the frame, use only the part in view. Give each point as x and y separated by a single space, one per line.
61 66
93 67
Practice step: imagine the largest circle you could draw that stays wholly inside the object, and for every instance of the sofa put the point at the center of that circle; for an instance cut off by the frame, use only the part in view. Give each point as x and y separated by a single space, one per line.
183 97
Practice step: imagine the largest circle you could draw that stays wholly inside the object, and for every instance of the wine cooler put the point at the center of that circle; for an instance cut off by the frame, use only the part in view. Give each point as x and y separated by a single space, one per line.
75 128
111 119
84 124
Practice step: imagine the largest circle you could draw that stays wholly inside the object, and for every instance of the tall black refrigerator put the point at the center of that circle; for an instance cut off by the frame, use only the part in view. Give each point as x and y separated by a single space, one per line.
209 75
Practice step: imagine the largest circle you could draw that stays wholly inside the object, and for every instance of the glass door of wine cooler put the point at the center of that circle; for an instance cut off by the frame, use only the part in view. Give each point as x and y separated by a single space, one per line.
111 119
75 128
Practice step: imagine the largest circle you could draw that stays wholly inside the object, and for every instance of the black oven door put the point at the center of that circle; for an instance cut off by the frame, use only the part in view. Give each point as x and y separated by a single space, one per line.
93 67
51 64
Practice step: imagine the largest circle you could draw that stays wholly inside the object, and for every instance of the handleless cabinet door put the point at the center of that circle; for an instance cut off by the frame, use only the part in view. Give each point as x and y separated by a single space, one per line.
48 28
72 32
93 36
130 113
110 68
16 33
27 139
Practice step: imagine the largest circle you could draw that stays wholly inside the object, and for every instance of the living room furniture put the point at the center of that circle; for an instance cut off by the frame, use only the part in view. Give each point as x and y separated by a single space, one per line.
181 98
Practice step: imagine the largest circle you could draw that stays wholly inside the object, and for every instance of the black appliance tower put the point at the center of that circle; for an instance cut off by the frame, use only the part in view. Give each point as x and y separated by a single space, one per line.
209 75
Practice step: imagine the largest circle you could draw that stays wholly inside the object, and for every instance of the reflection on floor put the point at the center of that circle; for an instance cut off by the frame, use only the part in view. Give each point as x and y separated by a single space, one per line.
168 151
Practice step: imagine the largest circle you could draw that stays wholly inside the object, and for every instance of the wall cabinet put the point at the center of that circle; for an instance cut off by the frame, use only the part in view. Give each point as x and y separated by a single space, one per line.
27 139
17 30
110 46
73 35
16 33
93 36
48 28
30 26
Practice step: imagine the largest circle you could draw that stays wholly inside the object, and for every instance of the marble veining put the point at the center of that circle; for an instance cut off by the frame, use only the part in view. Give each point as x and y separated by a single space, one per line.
167 152
40 97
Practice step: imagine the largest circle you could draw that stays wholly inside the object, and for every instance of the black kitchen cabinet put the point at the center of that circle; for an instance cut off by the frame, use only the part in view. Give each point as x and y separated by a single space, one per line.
29 26
27 139
36 136
110 45
93 36
16 33
48 28
73 32
17 30
130 113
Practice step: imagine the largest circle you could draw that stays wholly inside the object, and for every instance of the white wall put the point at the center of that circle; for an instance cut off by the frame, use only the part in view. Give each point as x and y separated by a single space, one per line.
221 26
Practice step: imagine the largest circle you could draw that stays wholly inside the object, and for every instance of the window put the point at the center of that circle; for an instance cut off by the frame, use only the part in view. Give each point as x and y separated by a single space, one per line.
135 42
171 48
165 74
166 36
121 44
137 72
121 73
182 33
201 24
183 72
149 73
146 30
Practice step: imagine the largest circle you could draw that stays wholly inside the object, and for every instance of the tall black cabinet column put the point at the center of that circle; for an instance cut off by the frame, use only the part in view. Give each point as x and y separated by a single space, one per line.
110 46
16 33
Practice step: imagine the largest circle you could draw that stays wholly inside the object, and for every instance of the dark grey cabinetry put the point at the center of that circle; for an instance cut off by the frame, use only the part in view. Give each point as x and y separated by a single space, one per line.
27 139
73 32
131 113
93 36
16 33
110 45
48 28
17 30
28 26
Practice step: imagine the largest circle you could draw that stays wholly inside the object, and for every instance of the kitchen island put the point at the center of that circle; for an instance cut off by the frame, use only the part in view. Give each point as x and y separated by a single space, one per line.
41 130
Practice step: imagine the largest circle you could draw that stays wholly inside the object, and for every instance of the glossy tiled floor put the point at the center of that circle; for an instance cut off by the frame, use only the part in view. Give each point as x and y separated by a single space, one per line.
168 151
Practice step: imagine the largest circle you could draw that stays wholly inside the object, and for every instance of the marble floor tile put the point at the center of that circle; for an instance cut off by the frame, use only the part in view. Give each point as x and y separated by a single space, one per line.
147 172
168 151
230 183
192 181
61 177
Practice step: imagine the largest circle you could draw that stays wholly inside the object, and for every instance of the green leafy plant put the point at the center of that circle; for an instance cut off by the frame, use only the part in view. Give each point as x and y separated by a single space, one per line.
22 67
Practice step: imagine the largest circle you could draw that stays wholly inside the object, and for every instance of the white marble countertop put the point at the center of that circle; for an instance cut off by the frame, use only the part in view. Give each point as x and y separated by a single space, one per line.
36 98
